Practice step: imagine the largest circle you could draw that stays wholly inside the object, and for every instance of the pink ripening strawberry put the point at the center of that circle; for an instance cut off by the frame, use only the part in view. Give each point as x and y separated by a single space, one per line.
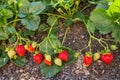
20 50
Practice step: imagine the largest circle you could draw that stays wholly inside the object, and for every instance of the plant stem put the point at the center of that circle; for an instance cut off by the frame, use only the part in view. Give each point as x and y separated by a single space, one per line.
101 42
13 21
52 26
85 7
67 29
60 16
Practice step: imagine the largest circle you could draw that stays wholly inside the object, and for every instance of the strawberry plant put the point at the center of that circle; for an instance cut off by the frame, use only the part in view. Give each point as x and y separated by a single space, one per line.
21 20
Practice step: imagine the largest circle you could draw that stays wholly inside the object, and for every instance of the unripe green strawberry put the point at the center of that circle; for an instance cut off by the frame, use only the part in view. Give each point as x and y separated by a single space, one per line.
47 57
58 61
76 55
113 47
7 49
11 53
26 46
34 44
96 56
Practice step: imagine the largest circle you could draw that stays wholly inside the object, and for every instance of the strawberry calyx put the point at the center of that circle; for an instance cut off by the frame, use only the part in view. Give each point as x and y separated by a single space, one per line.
57 50
105 51
89 54
20 43
36 52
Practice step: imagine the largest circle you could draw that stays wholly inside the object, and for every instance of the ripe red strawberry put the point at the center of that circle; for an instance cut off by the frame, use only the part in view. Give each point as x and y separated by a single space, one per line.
49 63
20 49
63 55
88 59
37 58
30 48
107 58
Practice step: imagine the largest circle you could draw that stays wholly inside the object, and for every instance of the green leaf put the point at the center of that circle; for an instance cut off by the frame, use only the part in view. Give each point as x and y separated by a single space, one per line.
12 39
115 33
45 47
46 2
36 8
115 7
91 26
103 4
55 41
54 3
78 16
68 22
19 61
28 33
32 23
6 13
101 20
3 35
49 71
12 30
10 2
49 44
3 58
43 27
52 21
24 8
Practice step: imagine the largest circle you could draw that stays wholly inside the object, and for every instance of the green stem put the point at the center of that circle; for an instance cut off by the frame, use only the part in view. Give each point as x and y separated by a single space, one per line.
102 43
67 29
85 7
52 26
54 47
13 21
60 16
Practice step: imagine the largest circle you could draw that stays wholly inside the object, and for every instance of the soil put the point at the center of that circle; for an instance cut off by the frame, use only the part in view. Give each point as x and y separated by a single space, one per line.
77 38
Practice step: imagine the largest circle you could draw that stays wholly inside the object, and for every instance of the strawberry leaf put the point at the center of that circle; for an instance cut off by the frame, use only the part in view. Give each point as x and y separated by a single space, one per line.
36 7
49 71
3 58
32 23
49 44
3 35
101 20
19 61
52 21
116 34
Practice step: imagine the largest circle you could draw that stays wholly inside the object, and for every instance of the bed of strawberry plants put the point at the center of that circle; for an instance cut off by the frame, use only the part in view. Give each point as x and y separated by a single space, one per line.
59 39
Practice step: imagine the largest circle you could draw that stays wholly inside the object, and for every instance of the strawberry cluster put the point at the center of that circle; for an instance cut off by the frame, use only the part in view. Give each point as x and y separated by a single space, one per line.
38 57
105 57
47 59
